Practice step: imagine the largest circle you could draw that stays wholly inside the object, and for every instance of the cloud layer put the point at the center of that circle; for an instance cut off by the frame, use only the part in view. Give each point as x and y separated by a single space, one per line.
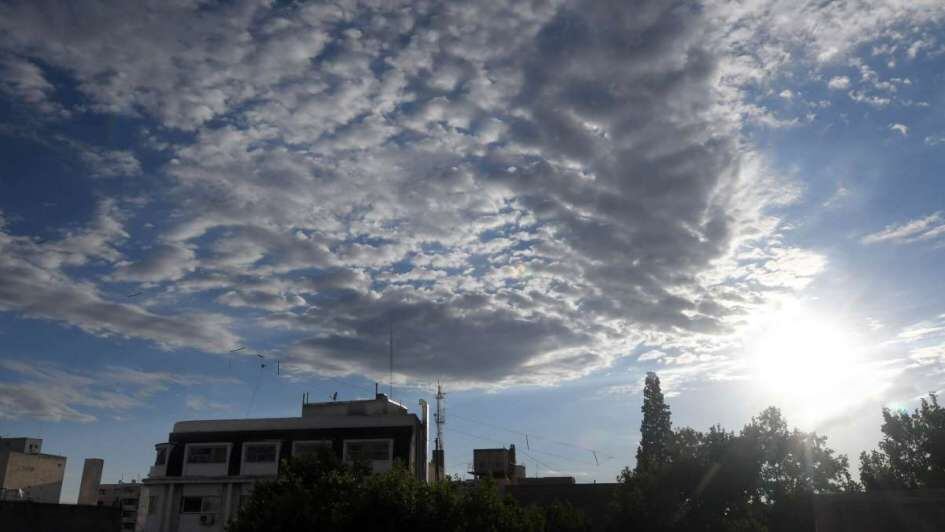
523 193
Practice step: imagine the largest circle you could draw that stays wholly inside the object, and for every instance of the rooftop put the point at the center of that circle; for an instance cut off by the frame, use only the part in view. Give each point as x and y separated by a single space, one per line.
378 412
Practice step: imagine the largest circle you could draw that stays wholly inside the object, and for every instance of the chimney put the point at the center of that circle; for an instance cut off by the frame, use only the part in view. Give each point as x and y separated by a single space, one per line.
91 480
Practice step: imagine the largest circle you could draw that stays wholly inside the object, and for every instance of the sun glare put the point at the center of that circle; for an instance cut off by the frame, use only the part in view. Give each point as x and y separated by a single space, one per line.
813 366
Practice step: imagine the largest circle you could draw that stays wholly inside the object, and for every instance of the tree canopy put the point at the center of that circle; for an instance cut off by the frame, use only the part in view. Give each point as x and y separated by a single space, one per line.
314 494
912 452
761 478
656 429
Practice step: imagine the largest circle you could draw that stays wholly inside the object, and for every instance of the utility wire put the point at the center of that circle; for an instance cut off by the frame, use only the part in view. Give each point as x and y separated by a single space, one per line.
527 435
503 444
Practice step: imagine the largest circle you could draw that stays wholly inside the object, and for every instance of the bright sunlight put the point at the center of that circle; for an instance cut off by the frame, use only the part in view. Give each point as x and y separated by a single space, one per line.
813 365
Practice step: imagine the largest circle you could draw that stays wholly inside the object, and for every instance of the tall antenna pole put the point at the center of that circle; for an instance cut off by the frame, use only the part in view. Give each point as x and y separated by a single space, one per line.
439 459
391 349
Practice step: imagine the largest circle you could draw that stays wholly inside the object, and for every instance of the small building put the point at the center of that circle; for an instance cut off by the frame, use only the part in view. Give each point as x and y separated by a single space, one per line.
497 464
206 469
26 473
125 496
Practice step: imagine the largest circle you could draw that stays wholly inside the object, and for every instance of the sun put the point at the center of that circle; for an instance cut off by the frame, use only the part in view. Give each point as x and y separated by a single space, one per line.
811 364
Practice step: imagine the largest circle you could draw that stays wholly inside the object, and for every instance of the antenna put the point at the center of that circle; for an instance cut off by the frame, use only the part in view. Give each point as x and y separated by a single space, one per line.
391 350
439 459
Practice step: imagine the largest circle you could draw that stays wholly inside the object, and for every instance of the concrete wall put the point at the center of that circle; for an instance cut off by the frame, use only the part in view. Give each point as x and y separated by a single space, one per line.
44 517
91 479
38 475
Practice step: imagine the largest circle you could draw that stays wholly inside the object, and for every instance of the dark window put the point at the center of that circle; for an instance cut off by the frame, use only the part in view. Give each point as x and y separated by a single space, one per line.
358 451
310 448
261 453
161 456
206 454
127 526
190 505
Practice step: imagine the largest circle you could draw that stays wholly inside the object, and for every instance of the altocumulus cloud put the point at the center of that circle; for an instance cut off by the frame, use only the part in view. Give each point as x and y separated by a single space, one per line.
525 192
47 391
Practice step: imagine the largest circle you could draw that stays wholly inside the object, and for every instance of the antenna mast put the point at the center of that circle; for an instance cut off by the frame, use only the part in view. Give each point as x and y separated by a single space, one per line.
439 460
391 350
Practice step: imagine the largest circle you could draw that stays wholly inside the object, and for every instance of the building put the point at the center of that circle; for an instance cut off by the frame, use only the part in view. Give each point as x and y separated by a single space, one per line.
497 464
26 473
91 478
206 469
124 496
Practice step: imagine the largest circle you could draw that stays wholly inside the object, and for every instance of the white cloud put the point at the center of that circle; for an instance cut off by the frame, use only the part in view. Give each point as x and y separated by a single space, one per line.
35 283
901 128
934 140
199 403
839 83
46 391
25 81
333 193
927 228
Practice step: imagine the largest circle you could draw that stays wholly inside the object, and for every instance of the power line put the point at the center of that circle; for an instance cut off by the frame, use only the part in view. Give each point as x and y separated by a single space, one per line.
503 444
527 435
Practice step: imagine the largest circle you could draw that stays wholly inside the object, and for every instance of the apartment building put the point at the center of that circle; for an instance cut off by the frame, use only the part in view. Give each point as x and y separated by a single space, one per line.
123 495
26 473
206 469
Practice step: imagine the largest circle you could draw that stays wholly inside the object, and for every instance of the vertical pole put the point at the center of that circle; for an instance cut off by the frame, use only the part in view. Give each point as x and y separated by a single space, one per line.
391 352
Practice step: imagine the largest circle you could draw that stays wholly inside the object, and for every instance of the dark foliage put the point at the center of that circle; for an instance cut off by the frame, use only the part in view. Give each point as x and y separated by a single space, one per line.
656 430
321 494
761 479
912 452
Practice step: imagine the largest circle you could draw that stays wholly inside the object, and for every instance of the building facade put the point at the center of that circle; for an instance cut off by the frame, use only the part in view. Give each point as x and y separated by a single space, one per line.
206 469
497 464
125 496
26 473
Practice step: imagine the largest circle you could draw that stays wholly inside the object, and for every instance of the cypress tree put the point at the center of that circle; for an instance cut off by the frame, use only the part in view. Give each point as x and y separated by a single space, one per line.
656 431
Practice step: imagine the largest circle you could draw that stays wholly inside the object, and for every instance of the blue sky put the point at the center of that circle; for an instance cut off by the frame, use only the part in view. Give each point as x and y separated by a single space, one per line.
545 202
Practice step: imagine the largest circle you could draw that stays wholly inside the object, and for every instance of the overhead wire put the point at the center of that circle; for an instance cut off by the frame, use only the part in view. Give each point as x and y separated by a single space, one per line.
503 444
527 435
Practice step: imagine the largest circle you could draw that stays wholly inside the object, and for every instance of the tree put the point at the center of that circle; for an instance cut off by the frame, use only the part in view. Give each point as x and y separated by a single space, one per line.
322 494
912 452
761 479
656 429
792 467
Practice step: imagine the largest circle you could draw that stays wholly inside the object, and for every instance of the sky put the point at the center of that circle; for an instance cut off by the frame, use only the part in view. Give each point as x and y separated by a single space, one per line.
539 201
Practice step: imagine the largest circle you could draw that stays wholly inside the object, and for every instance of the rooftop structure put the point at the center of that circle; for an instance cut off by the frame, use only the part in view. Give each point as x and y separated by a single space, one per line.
497 464
26 473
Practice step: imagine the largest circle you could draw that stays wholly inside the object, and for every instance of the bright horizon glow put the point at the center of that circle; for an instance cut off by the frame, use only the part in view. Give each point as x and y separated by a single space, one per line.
813 365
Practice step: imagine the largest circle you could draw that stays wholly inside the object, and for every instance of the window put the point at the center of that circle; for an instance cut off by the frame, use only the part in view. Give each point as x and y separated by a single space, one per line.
127 526
367 450
196 505
190 505
310 448
161 456
206 454
261 453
